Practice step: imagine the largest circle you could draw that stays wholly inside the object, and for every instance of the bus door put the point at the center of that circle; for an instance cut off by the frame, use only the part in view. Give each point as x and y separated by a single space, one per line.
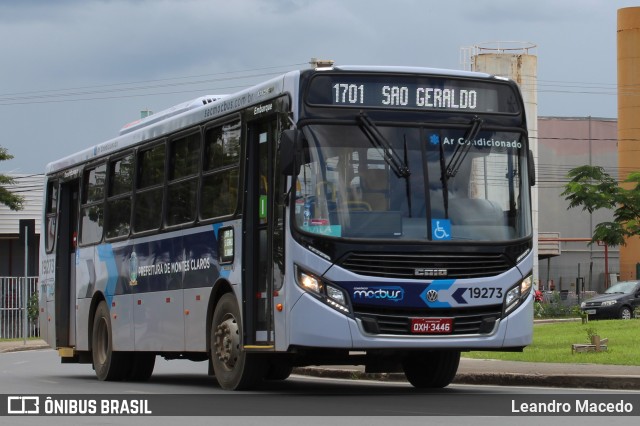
259 254
65 276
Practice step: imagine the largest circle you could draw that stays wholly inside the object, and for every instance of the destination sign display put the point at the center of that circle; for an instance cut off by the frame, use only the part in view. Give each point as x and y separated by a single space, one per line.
423 93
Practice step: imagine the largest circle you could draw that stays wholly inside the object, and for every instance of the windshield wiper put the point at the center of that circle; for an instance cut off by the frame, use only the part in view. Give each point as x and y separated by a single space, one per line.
407 180
462 150
387 152
444 180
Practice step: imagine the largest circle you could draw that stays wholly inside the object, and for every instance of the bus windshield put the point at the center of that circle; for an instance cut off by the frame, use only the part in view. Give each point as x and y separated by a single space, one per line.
442 186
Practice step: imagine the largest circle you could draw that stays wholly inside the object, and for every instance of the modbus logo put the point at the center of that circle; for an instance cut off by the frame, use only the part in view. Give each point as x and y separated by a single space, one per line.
394 294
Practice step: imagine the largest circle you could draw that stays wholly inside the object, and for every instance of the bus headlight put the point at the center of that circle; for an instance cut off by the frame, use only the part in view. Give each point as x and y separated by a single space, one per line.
517 294
330 294
308 282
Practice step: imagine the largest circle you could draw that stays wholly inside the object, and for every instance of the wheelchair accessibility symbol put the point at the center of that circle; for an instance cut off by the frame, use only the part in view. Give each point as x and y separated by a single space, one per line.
440 229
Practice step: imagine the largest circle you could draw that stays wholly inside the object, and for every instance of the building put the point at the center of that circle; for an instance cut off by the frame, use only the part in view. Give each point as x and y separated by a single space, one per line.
565 143
11 250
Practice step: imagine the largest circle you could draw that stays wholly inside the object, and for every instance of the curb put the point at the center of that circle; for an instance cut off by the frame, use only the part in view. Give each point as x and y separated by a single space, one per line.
554 381
555 320
24 348
496 379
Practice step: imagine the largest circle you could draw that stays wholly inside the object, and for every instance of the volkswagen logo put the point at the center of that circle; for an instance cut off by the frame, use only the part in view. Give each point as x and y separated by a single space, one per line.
432 295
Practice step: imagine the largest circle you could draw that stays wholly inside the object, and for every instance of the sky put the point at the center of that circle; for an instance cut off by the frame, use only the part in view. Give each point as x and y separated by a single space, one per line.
73 72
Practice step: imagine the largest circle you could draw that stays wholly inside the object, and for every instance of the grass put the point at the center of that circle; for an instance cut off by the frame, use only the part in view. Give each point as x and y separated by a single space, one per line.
552 343
20 339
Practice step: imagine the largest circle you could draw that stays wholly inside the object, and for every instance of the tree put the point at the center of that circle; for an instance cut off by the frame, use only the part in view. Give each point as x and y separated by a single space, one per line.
8 198
592 188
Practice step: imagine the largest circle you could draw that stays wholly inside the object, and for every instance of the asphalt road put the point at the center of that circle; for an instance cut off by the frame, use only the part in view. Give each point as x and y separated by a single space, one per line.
40 372
183 384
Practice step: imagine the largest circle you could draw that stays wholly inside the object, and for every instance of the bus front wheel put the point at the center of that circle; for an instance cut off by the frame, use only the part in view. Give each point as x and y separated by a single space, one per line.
431 369
108 364
234 368
278 369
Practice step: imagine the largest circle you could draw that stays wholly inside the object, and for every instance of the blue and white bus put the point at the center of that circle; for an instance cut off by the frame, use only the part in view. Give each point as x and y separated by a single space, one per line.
375 216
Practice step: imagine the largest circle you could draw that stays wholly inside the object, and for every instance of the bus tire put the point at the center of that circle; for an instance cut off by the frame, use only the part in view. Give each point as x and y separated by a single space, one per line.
430 370
108 364
279 370
142 364
234 368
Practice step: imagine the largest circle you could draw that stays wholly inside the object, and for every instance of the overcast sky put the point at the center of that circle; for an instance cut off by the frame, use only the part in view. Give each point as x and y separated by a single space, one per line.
73 72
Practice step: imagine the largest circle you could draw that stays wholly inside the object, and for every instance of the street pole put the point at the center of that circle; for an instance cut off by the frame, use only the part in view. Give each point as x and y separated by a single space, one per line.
25 286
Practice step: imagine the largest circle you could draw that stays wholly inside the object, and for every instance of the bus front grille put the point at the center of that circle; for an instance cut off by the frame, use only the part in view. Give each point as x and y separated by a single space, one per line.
479 320
426 265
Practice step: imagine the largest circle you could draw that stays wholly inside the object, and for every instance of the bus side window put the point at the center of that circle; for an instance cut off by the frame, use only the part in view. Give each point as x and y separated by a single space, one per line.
51 212
182 190
149 192
220 171
118 213
92 210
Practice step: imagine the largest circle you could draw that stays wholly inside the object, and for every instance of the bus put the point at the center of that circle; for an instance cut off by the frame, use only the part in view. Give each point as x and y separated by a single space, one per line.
371 216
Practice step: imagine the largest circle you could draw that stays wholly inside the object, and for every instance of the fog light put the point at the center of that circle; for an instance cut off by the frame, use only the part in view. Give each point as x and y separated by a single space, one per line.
336 294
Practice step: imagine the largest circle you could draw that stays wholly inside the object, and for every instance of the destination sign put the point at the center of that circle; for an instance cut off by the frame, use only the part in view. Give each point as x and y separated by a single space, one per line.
424 93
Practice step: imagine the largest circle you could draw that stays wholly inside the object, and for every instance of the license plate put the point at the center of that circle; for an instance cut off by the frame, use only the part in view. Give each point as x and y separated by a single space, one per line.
431 325
590 311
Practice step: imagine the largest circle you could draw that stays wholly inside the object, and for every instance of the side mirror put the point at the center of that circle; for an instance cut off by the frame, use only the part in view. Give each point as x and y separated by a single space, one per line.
531 169
290 143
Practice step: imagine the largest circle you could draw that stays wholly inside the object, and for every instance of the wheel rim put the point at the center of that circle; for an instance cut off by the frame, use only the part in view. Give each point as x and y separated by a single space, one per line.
227 342
102 341
626 314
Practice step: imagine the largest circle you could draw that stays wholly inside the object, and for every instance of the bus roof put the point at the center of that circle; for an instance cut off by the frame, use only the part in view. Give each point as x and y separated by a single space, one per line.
205 108
173 119
414 70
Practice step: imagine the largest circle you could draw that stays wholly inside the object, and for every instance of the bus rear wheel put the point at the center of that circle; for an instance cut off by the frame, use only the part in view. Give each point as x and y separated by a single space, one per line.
141 368
430 370
108 364
234 368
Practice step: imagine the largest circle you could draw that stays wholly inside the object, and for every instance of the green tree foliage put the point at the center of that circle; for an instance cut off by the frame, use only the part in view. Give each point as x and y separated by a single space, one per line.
33 308
592 189
9 199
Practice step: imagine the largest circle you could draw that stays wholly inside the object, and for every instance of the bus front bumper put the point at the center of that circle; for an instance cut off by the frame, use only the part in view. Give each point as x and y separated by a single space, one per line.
314 324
